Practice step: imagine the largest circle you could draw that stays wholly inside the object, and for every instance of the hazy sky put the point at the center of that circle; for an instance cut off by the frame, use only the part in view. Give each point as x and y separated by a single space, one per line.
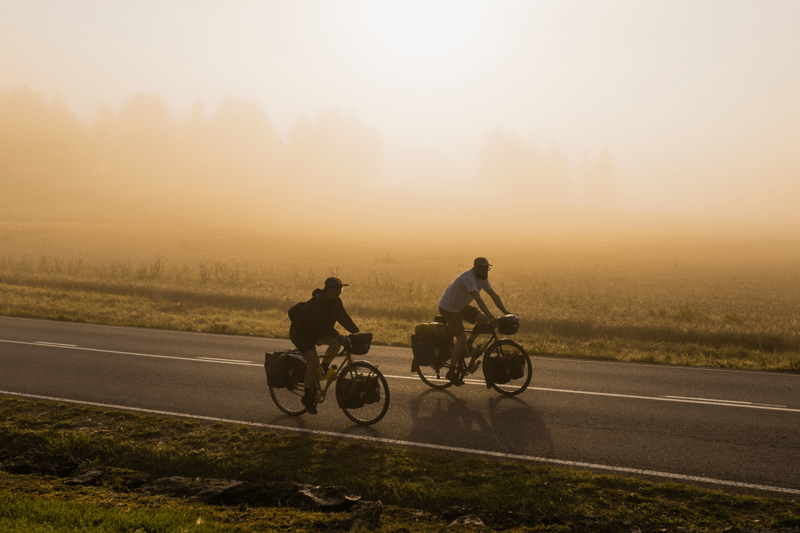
697 101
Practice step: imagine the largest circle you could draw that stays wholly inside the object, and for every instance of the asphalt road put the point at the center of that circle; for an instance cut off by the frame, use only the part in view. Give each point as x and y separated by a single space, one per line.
732 430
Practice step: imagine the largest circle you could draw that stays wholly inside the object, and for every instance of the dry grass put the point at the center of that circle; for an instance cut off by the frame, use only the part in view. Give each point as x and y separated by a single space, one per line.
707 300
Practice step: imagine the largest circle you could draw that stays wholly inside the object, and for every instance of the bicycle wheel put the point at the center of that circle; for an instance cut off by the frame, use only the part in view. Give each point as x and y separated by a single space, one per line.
517 357
362 393
288 398
435 376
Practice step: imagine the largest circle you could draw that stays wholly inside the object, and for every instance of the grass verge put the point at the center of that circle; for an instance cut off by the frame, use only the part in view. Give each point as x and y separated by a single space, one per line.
213 313
400 478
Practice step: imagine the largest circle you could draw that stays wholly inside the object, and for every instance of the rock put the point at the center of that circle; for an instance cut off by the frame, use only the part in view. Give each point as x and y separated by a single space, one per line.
90 477
467 520
366 515
268 494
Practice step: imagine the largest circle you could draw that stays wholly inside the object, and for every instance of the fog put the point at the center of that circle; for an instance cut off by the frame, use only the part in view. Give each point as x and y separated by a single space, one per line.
350 116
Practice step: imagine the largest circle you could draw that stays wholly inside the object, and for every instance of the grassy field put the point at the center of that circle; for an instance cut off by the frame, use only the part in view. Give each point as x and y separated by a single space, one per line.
706 300
399 478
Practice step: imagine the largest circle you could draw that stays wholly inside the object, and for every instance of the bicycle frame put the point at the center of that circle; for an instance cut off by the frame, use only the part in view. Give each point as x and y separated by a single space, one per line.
322 392
480 353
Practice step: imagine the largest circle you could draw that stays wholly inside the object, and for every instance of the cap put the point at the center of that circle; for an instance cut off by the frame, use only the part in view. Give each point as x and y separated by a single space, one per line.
481 261
334 282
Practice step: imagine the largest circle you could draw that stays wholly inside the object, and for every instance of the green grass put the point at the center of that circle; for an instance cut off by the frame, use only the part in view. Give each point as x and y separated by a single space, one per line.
401 478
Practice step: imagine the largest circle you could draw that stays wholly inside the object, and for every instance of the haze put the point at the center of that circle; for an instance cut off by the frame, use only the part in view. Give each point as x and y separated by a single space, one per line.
419 110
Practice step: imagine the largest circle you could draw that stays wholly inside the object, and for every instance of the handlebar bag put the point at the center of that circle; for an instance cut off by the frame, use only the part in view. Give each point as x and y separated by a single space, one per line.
359 342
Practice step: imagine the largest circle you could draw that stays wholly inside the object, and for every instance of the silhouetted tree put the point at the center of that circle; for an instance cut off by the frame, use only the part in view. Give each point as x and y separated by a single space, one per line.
147 140
508 165
336 149
602 185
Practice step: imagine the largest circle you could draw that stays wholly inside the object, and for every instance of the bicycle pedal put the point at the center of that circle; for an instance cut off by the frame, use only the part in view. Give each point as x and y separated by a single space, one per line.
474 367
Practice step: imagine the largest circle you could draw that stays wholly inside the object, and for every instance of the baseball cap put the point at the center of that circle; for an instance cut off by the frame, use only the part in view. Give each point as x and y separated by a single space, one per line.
481 261
333 281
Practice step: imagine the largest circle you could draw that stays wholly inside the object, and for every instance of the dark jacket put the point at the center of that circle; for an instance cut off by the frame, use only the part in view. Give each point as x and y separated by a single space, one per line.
317 317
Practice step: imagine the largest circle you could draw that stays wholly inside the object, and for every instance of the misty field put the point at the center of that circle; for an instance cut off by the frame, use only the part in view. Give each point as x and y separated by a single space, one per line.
703 301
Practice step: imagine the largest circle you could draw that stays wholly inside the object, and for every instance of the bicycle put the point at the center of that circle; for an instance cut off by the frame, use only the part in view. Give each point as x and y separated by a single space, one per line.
362 392
511 358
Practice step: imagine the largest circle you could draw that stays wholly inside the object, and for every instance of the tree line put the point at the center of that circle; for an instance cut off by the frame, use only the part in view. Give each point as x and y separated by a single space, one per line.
144 148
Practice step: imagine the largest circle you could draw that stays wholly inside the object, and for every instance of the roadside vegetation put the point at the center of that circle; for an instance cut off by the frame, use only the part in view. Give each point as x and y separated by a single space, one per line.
400 478
710 302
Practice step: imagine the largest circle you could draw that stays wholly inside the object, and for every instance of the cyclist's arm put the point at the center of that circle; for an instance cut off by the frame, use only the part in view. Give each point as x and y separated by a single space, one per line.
481 304
497 301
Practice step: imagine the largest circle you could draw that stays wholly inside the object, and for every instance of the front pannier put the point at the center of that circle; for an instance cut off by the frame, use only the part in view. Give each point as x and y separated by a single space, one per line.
284 368
351 392
496 370
372 390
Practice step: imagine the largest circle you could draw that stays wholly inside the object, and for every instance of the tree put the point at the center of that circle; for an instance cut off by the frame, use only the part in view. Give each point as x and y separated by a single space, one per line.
147 139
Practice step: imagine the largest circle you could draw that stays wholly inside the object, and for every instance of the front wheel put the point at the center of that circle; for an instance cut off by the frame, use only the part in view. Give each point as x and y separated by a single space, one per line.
288 398
362 393
516 365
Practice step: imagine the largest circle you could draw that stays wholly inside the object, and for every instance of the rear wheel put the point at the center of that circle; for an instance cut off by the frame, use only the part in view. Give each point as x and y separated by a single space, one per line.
288 398
435 376
515 356
362 393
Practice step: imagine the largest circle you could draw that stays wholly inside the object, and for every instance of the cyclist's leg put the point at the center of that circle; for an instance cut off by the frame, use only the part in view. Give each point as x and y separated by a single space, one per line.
456 325
334 347
308 351
474 316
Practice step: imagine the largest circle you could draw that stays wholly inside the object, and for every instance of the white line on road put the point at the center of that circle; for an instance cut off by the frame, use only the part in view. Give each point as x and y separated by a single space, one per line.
228 361
55 344
501 455
679 399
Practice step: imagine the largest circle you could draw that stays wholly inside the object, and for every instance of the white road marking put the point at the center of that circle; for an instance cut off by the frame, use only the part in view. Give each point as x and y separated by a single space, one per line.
55 344
705 400
679 399
395 442
228 361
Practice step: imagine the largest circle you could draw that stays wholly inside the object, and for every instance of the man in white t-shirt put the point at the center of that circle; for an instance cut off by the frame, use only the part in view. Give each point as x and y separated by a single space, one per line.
455 308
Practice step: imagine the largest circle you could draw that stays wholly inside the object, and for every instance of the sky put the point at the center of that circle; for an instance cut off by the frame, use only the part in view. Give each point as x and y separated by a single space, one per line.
696 101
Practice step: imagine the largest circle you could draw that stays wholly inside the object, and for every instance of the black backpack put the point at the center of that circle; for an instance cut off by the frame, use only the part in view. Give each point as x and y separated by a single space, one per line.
294 311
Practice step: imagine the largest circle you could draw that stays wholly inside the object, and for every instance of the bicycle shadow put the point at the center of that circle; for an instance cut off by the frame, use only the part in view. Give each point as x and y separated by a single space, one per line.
503 424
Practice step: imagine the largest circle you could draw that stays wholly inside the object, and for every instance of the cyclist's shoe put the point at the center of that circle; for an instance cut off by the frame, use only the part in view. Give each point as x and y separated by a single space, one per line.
309 402
454 378
474 366
475 350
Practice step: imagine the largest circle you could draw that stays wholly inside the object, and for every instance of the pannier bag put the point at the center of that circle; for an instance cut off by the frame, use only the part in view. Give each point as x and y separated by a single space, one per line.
430 350
508 324
351 392
496 370
284 368
359 342
434 330
372 390
516 365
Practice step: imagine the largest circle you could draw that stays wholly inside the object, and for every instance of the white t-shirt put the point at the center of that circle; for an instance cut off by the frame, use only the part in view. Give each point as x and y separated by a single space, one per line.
457 296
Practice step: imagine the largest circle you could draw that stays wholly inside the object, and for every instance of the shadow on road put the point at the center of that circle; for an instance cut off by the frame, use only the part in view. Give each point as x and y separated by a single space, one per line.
502 424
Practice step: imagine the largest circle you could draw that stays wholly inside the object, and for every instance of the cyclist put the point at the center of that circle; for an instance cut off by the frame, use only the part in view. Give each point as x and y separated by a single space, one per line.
312 326
455 308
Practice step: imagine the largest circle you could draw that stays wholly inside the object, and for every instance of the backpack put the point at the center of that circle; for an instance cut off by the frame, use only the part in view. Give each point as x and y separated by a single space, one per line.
294 311
284 369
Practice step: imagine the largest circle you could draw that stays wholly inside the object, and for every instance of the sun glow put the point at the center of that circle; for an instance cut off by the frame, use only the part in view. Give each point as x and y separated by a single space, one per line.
420 42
